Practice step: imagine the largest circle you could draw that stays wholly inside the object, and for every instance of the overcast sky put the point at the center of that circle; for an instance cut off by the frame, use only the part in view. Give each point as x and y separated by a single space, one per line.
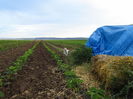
61 18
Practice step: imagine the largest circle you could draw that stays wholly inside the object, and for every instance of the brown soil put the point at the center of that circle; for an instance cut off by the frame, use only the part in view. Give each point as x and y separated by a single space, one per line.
9 56
39 79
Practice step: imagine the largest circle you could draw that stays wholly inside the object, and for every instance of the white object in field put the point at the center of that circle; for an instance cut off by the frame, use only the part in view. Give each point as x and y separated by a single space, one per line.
66 51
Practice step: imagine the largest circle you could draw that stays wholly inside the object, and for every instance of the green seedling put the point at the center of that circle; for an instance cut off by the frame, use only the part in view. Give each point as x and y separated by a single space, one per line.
74 83
2 94
70 74
97 93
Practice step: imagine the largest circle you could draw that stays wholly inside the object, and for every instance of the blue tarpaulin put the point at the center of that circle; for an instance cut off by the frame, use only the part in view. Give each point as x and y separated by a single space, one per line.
112 40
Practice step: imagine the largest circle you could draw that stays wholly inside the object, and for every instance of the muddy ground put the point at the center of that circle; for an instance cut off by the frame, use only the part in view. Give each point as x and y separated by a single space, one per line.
39 79
9 56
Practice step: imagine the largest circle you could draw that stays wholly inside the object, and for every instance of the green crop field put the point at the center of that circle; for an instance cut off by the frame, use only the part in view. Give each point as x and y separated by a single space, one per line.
7 44
68 43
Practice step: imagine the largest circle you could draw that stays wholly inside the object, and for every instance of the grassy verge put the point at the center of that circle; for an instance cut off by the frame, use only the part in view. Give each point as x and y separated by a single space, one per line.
11 70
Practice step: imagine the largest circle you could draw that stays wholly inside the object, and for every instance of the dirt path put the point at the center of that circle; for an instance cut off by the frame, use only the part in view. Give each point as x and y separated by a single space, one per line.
59 52
9 56
39 79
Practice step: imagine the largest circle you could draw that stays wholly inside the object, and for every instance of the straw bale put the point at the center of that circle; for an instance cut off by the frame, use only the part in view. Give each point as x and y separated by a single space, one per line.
113 71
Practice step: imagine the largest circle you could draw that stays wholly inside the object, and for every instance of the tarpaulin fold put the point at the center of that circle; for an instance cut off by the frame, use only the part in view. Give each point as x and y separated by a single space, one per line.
112 40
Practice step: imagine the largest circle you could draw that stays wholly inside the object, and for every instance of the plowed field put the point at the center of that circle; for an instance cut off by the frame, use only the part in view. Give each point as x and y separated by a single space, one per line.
39 79
9 56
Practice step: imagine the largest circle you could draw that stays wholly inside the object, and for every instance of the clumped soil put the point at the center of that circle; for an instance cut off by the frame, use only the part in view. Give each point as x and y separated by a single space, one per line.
39 79
9 56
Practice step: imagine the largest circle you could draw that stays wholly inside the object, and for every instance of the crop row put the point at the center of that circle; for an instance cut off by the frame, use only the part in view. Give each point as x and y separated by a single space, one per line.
72 80
13 69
